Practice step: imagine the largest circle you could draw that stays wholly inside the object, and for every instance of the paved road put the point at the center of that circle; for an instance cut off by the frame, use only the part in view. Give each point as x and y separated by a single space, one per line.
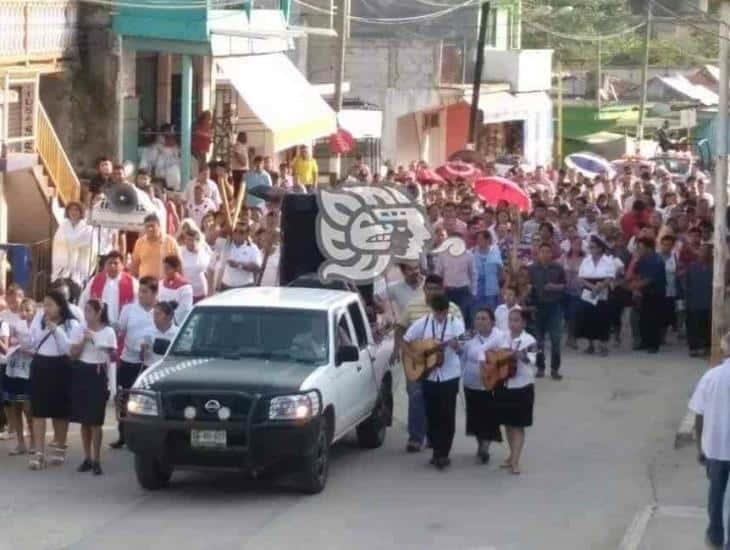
590 465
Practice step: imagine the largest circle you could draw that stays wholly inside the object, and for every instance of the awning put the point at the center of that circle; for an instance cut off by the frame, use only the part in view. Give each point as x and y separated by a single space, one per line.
278 99
362 124
505 106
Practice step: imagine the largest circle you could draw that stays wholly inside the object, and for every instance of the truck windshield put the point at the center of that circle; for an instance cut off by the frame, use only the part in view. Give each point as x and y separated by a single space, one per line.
276 334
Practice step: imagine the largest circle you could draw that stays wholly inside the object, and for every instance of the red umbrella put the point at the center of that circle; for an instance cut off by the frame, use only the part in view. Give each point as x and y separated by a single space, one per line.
494 189
341 142
427 176
455 169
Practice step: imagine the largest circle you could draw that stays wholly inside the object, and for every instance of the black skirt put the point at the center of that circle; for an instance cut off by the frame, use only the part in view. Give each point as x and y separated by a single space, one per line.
513 407
480 415
50 387
89 393
594 321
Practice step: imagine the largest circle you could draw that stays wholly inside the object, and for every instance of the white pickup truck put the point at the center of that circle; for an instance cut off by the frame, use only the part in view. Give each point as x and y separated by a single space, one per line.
262 379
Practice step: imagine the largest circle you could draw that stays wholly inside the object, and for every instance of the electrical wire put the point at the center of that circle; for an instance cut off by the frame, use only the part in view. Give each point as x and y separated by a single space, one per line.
583 37
393 20
680 20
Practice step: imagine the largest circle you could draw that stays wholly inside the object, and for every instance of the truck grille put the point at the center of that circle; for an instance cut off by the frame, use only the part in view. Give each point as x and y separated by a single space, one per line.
174 404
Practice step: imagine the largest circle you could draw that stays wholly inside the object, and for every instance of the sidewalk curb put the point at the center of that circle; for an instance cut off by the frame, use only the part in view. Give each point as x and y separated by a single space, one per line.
685 433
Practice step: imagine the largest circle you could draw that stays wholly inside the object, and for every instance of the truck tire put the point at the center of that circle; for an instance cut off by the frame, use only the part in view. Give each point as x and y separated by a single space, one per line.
313 478
151 475
371 432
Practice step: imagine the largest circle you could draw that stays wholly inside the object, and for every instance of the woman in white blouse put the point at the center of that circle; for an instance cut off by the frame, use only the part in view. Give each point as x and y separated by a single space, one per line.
516 399
196 257
596 274
175 288
92 344
480 420
164 329
71 253
50 377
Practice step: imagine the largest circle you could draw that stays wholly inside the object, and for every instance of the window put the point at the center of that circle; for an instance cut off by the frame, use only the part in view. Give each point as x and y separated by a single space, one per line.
359 322
343 336
275 334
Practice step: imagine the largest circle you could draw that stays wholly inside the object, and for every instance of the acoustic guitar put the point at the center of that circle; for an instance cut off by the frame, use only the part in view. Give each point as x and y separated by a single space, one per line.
421 357
500 366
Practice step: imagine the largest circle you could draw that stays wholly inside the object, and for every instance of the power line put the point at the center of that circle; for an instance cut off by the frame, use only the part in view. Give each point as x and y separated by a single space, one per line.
393 20
583 37
678 18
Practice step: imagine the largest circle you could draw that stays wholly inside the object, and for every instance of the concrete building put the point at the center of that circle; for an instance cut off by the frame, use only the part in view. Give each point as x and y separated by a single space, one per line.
420 76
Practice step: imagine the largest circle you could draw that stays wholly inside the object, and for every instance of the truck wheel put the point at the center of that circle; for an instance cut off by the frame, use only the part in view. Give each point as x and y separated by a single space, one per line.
371 432
313 478
151 475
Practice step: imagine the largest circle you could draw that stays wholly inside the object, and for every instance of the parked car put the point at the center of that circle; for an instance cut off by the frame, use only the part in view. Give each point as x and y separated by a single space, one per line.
262 379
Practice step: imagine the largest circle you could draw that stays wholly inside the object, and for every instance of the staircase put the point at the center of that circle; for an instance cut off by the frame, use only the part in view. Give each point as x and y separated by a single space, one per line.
58 169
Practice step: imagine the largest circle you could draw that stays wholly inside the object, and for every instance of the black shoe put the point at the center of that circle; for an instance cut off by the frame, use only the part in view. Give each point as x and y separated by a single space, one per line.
443 463
118 444
712 544
555 375
433 461
652 350
413 447
96 468
483 456
540 373
85 466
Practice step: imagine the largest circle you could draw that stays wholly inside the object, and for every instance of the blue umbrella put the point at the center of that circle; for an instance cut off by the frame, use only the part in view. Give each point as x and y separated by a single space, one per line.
589 164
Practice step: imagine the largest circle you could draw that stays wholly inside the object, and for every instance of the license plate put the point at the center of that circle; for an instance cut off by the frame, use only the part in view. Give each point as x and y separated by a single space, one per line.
208 439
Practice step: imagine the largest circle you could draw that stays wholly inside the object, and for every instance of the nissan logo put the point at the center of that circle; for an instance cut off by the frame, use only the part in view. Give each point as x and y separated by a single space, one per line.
212 406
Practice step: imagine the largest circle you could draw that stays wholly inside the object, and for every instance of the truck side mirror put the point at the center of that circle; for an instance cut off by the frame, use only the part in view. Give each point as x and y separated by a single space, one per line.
347 354
160 346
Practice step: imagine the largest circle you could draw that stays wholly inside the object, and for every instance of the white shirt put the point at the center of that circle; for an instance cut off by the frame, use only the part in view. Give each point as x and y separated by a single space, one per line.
604 269
72 251
195 267
182 295
271 271
55 345
4 333
501 316
246 253
96 352
109 296
401 294
711 399
210 191
198 211
242 150
428 327
150 357
525 374
474 352
134 323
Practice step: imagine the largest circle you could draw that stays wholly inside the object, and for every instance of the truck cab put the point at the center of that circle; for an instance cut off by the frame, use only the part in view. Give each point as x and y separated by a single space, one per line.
262 379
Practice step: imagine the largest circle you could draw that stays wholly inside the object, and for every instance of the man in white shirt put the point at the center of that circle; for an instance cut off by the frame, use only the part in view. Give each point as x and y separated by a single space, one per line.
200 205
135 322
114 287
243 260
210 189
442 384
711 405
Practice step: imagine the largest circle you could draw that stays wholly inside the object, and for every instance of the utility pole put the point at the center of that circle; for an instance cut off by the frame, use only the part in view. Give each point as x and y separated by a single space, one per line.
599 77
476 89
644 75
559 144
720 192
343 30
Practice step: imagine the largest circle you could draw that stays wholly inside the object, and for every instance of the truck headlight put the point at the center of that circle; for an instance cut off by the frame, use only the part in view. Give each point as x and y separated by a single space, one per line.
295 407
142 404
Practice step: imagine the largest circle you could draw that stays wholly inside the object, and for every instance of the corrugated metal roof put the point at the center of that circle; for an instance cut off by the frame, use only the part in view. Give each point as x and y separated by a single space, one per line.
682 86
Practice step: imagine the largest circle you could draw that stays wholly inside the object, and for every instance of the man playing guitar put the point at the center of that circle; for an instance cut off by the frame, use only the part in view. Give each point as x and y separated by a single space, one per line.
441 381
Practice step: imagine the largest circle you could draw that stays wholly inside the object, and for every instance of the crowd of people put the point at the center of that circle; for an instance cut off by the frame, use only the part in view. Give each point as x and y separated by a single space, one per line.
588 250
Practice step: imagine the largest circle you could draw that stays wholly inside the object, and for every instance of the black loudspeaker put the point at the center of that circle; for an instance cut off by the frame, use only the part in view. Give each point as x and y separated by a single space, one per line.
300 254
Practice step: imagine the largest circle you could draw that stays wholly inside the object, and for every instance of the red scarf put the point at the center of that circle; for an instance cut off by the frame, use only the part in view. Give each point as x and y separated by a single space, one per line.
176 282
126 288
